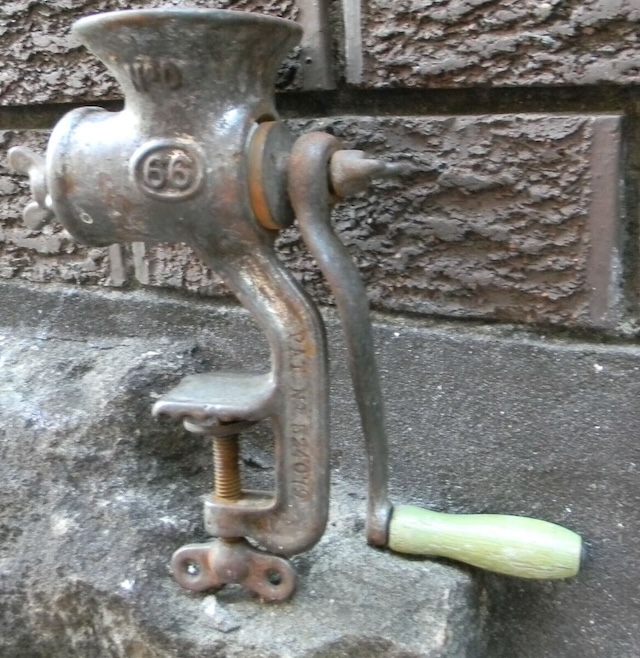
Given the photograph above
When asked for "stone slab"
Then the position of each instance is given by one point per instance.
(480, 418)
(42, 63)
(508, 422)
(95, 497)
(463, 43)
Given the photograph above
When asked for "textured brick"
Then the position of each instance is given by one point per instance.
(175, 266)
(42, 63)
(510, 217)
(452, 43)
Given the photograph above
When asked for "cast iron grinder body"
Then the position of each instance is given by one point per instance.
(197, 155)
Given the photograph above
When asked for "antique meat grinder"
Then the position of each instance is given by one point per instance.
(198, 155)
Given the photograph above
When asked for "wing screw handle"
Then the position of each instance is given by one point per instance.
(37, 213)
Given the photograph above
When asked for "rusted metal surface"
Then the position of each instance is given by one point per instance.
(351, 172)
(316, 57)
(215, 401)
(38, 212)
(172, 166)
(198, 156)
(221, 562)
(226, 469)
(268, 159)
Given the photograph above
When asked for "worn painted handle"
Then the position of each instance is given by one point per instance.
(512, 545)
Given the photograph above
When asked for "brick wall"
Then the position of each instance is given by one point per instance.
(519, 119)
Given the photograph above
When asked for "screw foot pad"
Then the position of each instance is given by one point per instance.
(212, 565)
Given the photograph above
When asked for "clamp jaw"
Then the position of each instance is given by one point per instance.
(197, 155)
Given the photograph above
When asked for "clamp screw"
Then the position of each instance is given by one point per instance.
(226, 451)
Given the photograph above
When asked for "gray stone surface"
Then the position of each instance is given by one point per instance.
(42, 63)
(454, 43)
(496, 420)
(511, 217)
(95, 496)
(481, 419)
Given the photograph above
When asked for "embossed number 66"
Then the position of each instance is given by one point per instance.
(163, 170)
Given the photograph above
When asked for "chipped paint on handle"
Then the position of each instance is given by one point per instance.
(511, 545)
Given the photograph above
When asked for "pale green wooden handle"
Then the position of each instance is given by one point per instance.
(512, 545)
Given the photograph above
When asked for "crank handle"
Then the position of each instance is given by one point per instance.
(505, 544)
(511, 545)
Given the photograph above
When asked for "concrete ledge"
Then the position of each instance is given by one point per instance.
(95, 496)
(482, 419)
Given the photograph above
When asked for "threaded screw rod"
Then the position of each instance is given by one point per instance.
(226, 470)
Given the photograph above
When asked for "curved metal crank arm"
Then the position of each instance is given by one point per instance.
(517, 546)
(309, 192)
